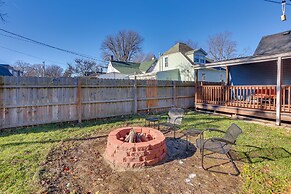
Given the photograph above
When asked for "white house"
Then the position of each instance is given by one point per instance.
(130, 70)
(178, 64)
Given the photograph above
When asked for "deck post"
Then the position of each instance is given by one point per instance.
(196, 86)
(226, 76)
(278, 90)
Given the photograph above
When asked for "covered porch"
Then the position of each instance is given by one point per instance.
(258, 86)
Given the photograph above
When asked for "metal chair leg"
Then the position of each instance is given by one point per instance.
(202, 158)
(233, 164)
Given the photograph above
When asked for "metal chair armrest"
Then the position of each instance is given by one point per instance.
(213, 129)
(209, 129)
(221, 140)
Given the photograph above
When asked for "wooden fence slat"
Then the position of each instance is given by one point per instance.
(32, 101)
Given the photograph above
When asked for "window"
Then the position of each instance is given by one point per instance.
(196, 59)
(199, 59)
(166, 62)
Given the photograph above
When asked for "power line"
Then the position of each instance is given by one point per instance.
(50, 46)
(13, 37)
(30, 55)
(271, 1)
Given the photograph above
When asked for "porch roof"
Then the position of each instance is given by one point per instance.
(247, 60)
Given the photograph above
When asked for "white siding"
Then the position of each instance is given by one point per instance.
(176, 61)
(111, 69)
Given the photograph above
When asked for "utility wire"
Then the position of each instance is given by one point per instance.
(31, 55)
(50, 46)
(13, 37)
(271, 1)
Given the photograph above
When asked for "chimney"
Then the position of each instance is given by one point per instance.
(111, 58)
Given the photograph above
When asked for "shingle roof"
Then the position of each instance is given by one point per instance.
(128, 68)
(199, 49)
(145, 66)
(4, 71)
(274, 44)
(179, 47)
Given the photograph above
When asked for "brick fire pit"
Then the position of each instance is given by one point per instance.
(134, 155)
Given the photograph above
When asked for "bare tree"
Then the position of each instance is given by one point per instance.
(82, 68)
(69, 71)
(2, 15)
(28, 69)
(53, 71)
(221, 47)
(38, 70)
(123, 46)
(142, 57)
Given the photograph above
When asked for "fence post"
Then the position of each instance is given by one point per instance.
(135, 95)
(1, 101)
(79, 99)
(174, 93)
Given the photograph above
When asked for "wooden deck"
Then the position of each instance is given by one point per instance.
(257, 101)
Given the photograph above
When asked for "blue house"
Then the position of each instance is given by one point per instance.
(257, 85)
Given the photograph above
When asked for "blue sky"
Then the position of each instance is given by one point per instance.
(82, 25)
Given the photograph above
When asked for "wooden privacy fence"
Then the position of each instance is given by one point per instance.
(254, 97)
(33, 101)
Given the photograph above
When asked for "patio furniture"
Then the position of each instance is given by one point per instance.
(174, 120)
(152, 119)
(219, 145)
(190, 133)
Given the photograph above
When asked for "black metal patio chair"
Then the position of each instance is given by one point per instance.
(174, 119)
(219, 145)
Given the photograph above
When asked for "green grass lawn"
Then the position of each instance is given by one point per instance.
(263, 150)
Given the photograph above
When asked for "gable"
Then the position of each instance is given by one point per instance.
(179, 47)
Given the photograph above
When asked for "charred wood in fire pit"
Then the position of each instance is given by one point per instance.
(131, 136)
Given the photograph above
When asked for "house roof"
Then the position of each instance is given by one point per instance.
(128, 68)
(274, 44)
(193, 51)
(269, 49)
(145, 66)
(4, 70)
(179, 47)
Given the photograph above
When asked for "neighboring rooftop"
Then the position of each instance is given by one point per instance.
(179, 47)
(4, 70)
(147, 66)
(128, 68)
(274, 44)
(196, 50)
(131, 68)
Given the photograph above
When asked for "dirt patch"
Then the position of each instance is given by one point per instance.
(78, 167)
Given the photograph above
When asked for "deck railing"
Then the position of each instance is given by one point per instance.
(254, 97)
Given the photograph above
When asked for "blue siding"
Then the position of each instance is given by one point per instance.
(258, 74)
